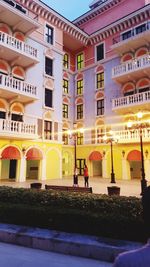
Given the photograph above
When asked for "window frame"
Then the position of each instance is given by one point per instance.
(65, 111)
(79, 111)
(79, 138)
(49, 36)
(66, 62)
(47, 131)
(50, 73)
(79, 87)
(100, 81)
(80, 63)
(96, 54)
(65, 86)
(51, 101)
(100, 109)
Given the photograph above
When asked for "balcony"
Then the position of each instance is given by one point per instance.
(16, 129)
(126, 103)
(17, 17)
(11, 88)
(132, 136)
(17, 52)
(132, 69)
(134, 38)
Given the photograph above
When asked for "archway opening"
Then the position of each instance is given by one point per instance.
(134, 159)
(10, 157)
(96, 159)
(34, 157)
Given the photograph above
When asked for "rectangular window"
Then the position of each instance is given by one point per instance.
(100, 52)
(100, 107)
(79, 87)
(65, 137)
(2, 114)
(141, 28)
(126, 35)
(80, 111)
(80, 62)
(48, 98)
(100, 80)
(48, 130)
(49, 66)
(66, 61)
(65, 86)
(65, 111)
(49, 34)
(80, 138)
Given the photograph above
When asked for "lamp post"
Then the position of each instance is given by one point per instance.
(143, 180)
(110, 139)
(73, 135)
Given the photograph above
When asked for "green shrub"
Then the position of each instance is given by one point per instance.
(114, 217)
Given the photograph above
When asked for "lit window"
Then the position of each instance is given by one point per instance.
(48, 130)
(79, 138)
(100, 52)
(80, 111)
(79, 87)
(65, 137)
(65, 111)
(80, 61)
(49, 34)
(65, 86)
(66, 61)
(100, 80)
(100, 107)
(48, 98)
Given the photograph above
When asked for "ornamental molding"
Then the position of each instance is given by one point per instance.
(51, 16)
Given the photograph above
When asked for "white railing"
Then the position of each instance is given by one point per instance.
(132, 135)
(131, 66)
(15, 44)
(131, 100)
(15, 85)
(17, 127)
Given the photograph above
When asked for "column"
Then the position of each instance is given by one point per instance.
(125, 175)
(104, 167)
(22, 171)
(43, 169)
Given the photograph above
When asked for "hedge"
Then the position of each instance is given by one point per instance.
(101, 215)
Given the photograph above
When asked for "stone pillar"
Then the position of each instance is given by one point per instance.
(22, 170)
(104, 167)
(125, 175)
(42, 174)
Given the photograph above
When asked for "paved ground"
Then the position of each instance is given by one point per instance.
(99, 185)
(16, 256)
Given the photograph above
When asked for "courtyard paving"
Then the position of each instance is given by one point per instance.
(98, 184)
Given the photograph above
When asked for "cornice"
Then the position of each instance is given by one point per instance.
(51, 16)
(96, 11)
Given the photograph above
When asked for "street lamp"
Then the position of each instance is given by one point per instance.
(110, 139)
(74, 135)
(139, 126)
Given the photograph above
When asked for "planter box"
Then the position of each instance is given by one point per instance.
(113, 190)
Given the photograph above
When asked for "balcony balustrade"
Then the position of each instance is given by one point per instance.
(15, 87)
(132, 135)
(9, 128)
(131, 68)
(131, 100)
(14, 48)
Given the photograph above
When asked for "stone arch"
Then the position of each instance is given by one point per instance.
(65, 100)
(141, 51)
(34, 156)
(134, 164)
(128, 87)
(99, 68)
(5, 28)
(79, 76)
(4, 67)
(17, 108)
(127, 57)
(99, 95)
(18, 72)
(20, 36)
(142, 83)
(79, 101)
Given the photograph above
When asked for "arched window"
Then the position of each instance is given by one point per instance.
(128, 89)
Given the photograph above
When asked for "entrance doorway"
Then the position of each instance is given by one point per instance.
(80, 166)
(33, 169)
(12, 169)
(135, 169)
(97, 168)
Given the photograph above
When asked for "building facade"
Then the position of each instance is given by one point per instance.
(92, 74)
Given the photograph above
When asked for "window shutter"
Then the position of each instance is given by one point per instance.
(40, 126)
(56, 131)
(93, 136)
